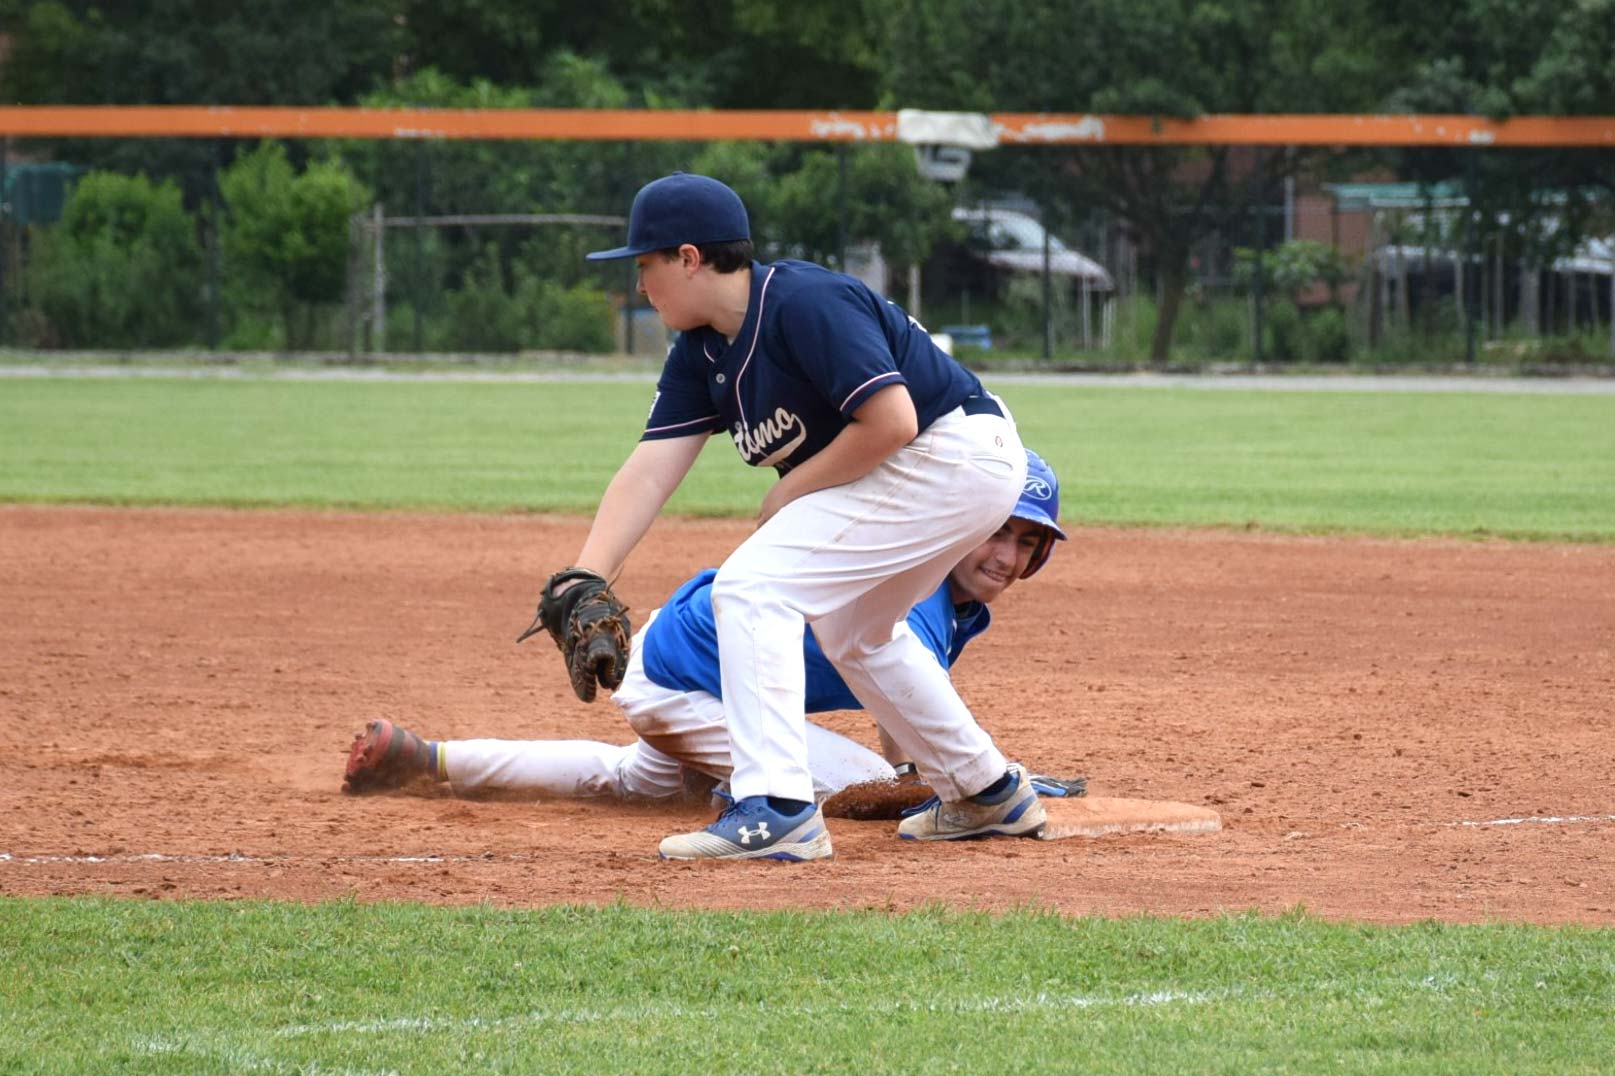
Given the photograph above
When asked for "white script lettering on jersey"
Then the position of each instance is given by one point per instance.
(762, 445)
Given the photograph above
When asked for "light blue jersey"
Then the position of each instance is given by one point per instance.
(681, 645)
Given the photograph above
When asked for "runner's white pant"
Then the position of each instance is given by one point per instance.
(677, 729)
(853, 560)
(587, 769)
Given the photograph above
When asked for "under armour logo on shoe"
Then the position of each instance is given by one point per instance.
(747, 834)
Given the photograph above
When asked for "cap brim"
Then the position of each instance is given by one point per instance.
(1041, 518)
(613, 254)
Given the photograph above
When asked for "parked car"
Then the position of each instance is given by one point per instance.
(1011, 240)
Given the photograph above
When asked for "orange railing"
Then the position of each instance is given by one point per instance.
(1014, 128)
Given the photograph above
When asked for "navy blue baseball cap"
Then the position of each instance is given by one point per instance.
(678, 209)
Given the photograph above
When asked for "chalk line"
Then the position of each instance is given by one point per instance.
(528, 857)
(268, 860)
(1040, 1002)
(1543, 820)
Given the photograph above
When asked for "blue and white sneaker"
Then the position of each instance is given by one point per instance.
(1014, 812)
(751, 829)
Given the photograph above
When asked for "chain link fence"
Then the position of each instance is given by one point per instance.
(362, 249)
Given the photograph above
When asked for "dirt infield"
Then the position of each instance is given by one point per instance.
(1392, 730)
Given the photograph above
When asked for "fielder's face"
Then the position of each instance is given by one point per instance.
(669, 285)
(989, 569)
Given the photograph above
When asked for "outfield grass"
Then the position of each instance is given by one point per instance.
(1388, 463)
(430, 445)
(1540, 467)
(101, 986)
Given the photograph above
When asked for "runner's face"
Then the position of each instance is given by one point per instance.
(993, 566)
(669, 285)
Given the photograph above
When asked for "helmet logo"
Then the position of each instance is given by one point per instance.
(1036, 487)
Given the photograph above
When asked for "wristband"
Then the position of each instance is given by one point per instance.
(903, 769)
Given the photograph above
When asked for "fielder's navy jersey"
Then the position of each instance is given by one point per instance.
(680, 648)
(814, 346)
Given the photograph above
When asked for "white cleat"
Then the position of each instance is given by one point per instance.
(751, 829)
(1017, 814)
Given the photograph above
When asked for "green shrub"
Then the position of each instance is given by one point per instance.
(286, 238)
(554, 317)
(479, 315)
(1218, 328)
(483, 315)
(1292, 267)
(1021, 311)
(1578, 350)
(1134, 328)
(122, 268)
(249, 331)
(1327, 338)
(1284, 331)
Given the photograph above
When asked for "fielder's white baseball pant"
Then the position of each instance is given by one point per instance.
(853, 560)
(677, 729)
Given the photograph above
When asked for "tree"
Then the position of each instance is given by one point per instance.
(1171, 58)
(1293, 268)
(273, 52)
(1531, 57)
(722, 54)
(510, 176)
(193, 52)
(887, 201)
(287, 239)
(122, 268)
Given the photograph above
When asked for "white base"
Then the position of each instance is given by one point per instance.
(1097, 816)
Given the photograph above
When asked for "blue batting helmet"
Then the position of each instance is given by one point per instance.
(1040, 504)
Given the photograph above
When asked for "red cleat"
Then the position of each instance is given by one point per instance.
(385, 756)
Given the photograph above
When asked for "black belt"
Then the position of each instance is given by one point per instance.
(981, 405)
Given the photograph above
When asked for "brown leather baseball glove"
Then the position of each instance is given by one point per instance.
(589, 625)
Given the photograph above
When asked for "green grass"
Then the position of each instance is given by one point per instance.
(1387, 463)
(429, 445)
(1522, 466)
(96, 986)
